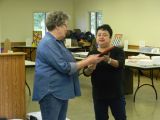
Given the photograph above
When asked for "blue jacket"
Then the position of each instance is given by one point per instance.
(55, 71)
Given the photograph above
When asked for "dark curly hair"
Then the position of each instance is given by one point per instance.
(105, 27)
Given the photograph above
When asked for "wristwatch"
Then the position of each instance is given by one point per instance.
(109, 61)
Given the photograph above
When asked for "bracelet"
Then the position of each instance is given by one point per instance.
(90, 70)
(109, 61)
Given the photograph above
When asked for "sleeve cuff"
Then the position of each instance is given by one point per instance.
(73, 68)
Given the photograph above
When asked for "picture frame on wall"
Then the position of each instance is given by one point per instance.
(37, 36)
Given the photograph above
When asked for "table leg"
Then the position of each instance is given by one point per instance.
(139, 86)
(28, 88)
(151, 71)
(139, 72)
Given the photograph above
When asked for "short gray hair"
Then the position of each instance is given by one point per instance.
(56, 18)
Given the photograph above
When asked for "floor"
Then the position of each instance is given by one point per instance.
(146, 107)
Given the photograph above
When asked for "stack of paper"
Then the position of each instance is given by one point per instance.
(156, 60)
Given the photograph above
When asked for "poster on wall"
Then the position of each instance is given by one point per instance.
(37, 36)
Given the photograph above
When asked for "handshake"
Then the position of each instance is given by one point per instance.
(94, 59)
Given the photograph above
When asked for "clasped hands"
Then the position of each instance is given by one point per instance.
(94, 59)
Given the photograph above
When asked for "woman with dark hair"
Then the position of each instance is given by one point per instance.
(107, 77)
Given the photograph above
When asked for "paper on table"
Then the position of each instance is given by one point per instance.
(37, 115)
(68, 42)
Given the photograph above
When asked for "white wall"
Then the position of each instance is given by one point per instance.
(0, 23)
(16, 20)
(135, 19)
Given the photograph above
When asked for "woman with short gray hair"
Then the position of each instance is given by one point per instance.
(56, 71)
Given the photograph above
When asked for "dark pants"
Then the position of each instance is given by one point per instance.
(117, 107)
(53, 108)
